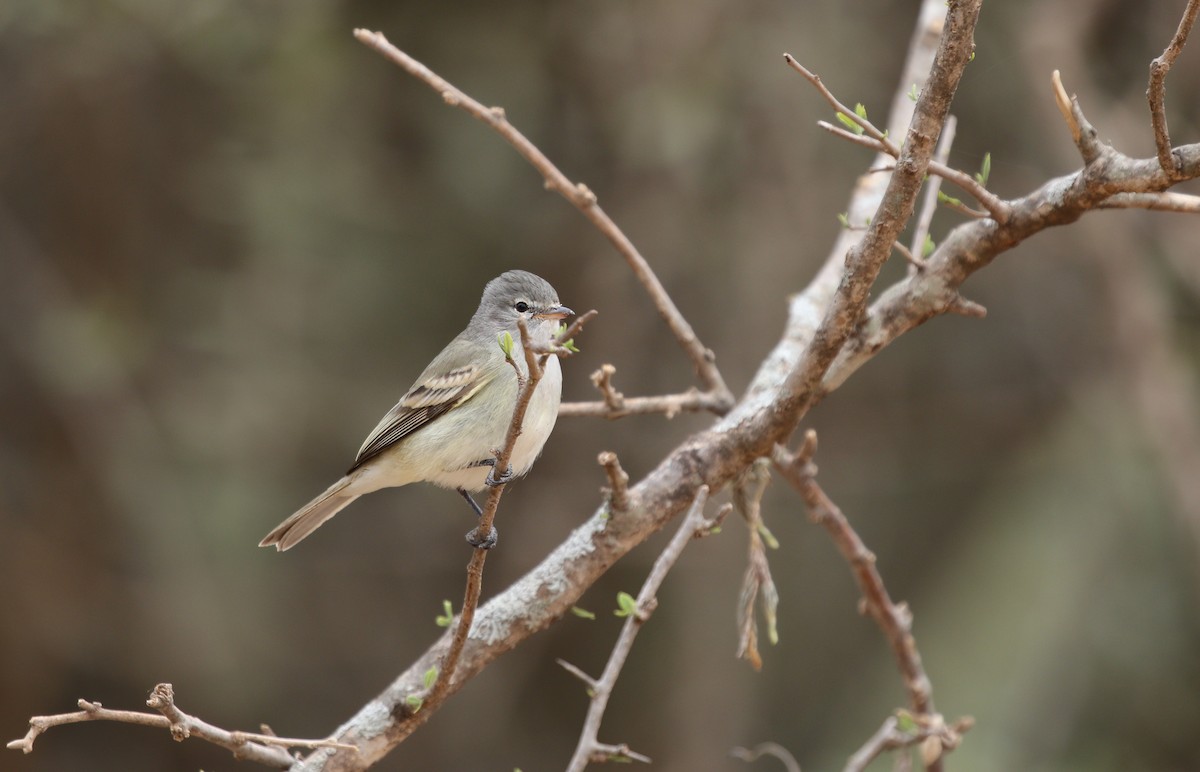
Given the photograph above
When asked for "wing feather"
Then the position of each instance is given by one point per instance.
(422, 404)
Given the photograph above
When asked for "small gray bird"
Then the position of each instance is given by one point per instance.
(444, 429)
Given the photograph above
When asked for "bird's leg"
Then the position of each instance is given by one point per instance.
(471, 501)
(474, 538)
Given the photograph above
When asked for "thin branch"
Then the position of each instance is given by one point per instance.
(1156, 91)
(999, 210)
(589, 748)
(894, 619)
(579, 195)
(933, 184)
(872, 132)
(268, 750)
(1160, 202)
(914, 263)
(670, 405)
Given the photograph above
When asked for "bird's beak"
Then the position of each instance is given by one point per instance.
(554, 312)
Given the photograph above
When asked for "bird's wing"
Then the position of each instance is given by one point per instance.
(426, 400)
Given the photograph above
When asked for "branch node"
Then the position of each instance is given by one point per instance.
(618, 481)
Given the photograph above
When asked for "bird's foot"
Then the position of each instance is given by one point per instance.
(494, 481)
(480, 541)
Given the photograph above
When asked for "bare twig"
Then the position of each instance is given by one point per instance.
(767, 749)
(882, 138)
(618, 481)
(929, 201)
(579, 195)
(589, 748)
(914, 263)
(894, 619)
(264, 749)
(1156, 91)
(1167, 201)
(670, 405)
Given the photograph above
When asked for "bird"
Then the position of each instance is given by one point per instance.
(446, 427)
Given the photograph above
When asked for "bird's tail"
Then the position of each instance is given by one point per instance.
(290, 532)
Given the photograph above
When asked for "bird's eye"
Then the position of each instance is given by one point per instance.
(521, 307)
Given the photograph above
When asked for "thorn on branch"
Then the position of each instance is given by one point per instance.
(964, 307)
(1082, 132)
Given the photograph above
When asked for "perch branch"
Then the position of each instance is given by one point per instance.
(527, 382)
(578, 194)
(589, 749)
(1156, 91)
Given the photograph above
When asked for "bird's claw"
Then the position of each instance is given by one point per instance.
(478, 541)
(494, 481)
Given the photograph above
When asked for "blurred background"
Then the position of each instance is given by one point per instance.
(231, 236)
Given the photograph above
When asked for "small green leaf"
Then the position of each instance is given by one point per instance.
(506, 343)
(430, 676)
(414, 702)
(905, 721)
(626, 605)
(912, 92)
(582, 613)
(985, 170)
(447, 616)
(944, 199)
(844, 219)
(715, 529)
(972, 57)
(849, 123)
(928, 247)
(860, 110)
(569, 345)
(560, 329)
(591, 693)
